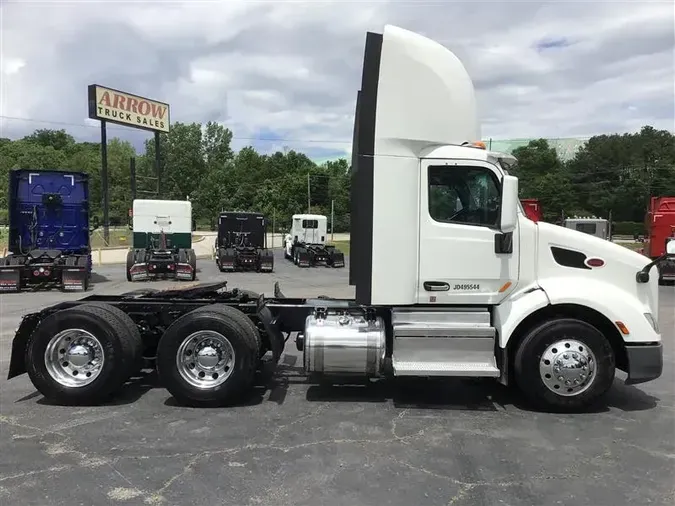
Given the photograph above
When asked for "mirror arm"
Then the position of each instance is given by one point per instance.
(643, 275)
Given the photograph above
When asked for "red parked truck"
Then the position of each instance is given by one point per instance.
(532, 209)
(660, 225)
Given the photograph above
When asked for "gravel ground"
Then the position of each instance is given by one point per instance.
(458, 442)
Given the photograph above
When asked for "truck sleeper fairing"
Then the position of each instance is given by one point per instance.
(49, 231)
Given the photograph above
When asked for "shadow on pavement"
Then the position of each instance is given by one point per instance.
(451, 394)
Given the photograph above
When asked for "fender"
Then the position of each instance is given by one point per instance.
(512, 311)
(615, 304)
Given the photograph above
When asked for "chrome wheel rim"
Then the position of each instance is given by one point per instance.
(567, 367)
(74, 358)
(205, 359)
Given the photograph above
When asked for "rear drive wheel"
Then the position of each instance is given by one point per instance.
(83, 354)
(192, 259)
(564, 364)
(208, 356)
(84, 263)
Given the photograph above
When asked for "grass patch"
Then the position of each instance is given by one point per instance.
(635, 246)
(118, 238)
(342, 246)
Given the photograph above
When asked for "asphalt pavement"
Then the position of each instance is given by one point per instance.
(440, 442)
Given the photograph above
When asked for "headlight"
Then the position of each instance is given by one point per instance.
(652, 321)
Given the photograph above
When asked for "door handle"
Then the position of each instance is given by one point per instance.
(436, 286)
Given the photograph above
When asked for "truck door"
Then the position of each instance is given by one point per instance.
(459, 260)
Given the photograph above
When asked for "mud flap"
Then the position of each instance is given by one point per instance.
(303, 258)
(667, 271)
(337, 259)
(139, 272)
(74, 279)
(273, 332)
(184, 271)
(10, 279)
(266, 261)
(226, 259)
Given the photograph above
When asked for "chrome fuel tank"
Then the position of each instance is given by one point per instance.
(344, 344)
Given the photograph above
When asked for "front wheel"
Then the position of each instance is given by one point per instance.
(564, 364)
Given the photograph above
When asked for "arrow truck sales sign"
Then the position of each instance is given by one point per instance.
(125, 109)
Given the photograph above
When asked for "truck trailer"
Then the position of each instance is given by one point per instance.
(161, 241)
(49, 234)
(660, 225)
(241, 244)
(442, 288)
(306, 244)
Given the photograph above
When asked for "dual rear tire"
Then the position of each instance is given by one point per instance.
(208, 357)
(83, 355)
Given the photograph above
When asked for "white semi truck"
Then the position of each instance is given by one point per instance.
(161, 241)
(451, 277)
(306, 245)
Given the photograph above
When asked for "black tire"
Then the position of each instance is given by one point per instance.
(192, 259)
(82, 261)
(120, 351)
(133, 335)
(130, 262)
(239, 331)
(538, 339)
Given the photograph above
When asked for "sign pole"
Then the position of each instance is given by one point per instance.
(132, 173)
(104, 183)
(158, 169)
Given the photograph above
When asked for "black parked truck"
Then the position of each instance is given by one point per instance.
(241, 244)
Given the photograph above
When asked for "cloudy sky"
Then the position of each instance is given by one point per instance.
(285, 73)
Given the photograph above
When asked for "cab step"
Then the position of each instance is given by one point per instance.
(442, 342)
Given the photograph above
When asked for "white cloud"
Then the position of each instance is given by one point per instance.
(293, 68)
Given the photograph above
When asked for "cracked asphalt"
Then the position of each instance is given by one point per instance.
(459, 442)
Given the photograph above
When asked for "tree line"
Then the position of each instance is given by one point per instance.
(615, 173)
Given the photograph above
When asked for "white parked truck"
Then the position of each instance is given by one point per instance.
(451, 277)
(599, 227)
(162, 241)
(306, 244)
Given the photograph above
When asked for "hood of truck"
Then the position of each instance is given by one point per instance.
(565, 253)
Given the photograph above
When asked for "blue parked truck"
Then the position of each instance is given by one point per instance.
(49, 231)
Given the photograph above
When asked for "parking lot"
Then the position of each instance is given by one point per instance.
(450, 442)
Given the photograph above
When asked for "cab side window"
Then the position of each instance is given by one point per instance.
(464, 195)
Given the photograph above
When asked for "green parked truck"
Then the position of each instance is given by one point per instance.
(162, 241)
